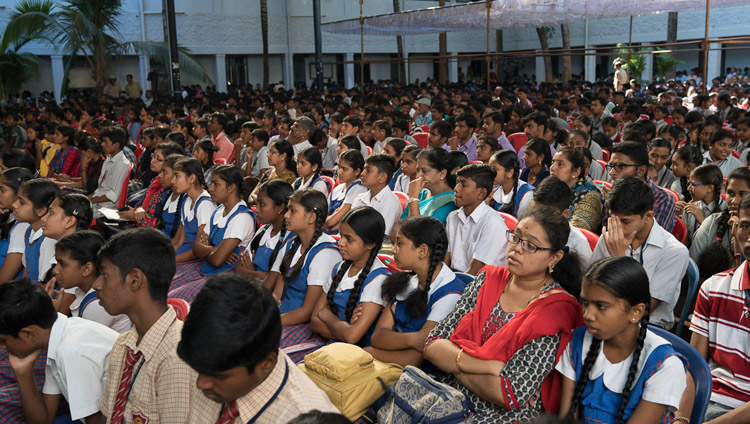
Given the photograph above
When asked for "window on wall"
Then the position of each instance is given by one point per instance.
(236, 70)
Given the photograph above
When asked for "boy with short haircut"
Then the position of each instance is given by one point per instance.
(245, 378)
(146, 381)
(77, 352)
(556, 194)
(632, 230)
(379, 169)
(720, 152)
(256, 154)
(475, 230)
(440, 132)
(401, 130)
(115, 170)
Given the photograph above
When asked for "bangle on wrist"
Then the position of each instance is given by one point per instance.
(458, 361)
(681, 419)
(413, 199)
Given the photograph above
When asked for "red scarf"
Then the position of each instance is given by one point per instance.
(555, 312)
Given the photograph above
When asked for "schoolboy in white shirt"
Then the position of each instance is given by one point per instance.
(378, 171)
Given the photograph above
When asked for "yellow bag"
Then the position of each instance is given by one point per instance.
(351, 377)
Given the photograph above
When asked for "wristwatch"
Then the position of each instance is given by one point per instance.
(413, 199)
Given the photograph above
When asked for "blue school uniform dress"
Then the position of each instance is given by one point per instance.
(659, 366)
(336, 198)
(266, 246)
(170, 213)
(521, 191)
(444, 292)
(392, 183)
(190, 219)
(315, 182)
(370, 292)
(296, 289)
(38, 254)
(15, 243)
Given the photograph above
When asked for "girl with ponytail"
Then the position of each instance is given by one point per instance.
(32, 203)
(418, 298)
(303, 266)
(614, 369)
(12, 231)
(684, 160)
(204, 152)
(309, 164)
(256, 262)
(511, 195)
(355, 283)
(501, 341)
(196, 209)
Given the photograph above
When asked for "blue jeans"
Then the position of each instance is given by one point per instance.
(715, 410)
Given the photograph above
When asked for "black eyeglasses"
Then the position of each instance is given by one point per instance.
(526, 245)
(618, 166)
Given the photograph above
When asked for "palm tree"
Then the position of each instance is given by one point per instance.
(567, 71)
(86, 28)
(264, 36)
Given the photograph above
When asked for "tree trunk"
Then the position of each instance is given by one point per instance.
(264, 35)
(400, 43)
(545, 49)
(566, 66)
(499, 68)
(671, 38)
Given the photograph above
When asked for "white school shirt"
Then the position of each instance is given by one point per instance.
(370, 293)
(384, 202)
(204, 210)
(330, 158)
(340, 191)
(113, 175)
(665, 387)
(442, 307)
(726, 165)
(480, 236)
(596, 171)
(94, 311)
(16, 243)
(321, 265)
(77, 360)
(665, 260)
(378, 147)
(692, 224)
(300, 147)
(171, 205)
(46, 252)
(402, 183)
(319, 185)
(579, 244)
(501, 197)
(242, 227)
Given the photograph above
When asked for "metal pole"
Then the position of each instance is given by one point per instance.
(318, 45)
(705, 48)
(361, 47)
(487, 57)
(630, 45)
(174, 58)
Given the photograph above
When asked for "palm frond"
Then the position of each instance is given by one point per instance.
(159, 53)
(30, 20)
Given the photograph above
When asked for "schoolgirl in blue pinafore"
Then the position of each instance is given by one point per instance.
(314, 182)
(190, 220)
(170, 213)
(295, 290)
(600, 403)
(38, 255)
(15, 242)
(403, 322)
(520, 192)
(266, 246)
(336, 198)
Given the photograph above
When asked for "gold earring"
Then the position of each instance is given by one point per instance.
(551, 269)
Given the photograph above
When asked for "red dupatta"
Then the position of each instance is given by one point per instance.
(555, 312)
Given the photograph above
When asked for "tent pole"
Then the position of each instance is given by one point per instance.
(487, 57)
(630, 43)
(361, 47)
(705, 48)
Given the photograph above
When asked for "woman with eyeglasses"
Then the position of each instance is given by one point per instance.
(569, 165)
(502, 339)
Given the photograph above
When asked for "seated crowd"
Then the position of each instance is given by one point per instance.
(177, 261)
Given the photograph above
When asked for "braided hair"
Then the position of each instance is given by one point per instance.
(41, 193)
(278, 191)
(208, 147)
(626, 279)
(710, 174)
(191, 166)
(369, 225)
(12, 178)
(232, 176)
(311, 155)
(311, 201)
(508, 159)
(419, 230)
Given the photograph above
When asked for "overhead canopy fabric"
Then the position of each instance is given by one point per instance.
(507, 14)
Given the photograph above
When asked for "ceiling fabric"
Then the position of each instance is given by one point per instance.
(508, 14)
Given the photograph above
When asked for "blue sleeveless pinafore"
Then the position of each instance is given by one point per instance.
(295, 290)
(191, 227)
(215, 237)
(403, 322)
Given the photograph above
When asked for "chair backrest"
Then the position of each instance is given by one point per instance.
(181, 307)
(510, 220)
(422, 139)
(603, 183)
(605, 155)
(680, 230)
(476, 162)
(591, 237)
(673, 193)
(668, 120)
(220, 161)
(425, 128)
(329, 182)
(735, 154)
(698, 369)
(518, 139)
(123, 199)
(403, 198)
(389, 263)
(369, 150)
(139, 152)
(602, 162)
(645, 117)
(336, 237)
(693, 279)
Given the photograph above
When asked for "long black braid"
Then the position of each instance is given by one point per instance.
(633, 365)
(684, 187)
(512, 204)
(588, 363)
(416, 303)
(508, 159)
(312, 201)
(177, 215)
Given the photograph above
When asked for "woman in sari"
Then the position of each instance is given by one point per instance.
(502, 340)
(432, 190)
(569, 165)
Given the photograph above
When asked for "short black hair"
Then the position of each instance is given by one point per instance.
(146, 249)
(384, 163)
(470, 120)
(240, 312)
(22, 304)
(116, 134)
(720, 134)
(221, 119)
(637, 152)
(482, 175)
(553, 192)
(630, 196)
(443, 128)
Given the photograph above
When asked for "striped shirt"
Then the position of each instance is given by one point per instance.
(722, 315)
(663, 207)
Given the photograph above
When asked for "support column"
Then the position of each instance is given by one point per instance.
(541, 75)
(453, 69)
(288, 66)
(143, 69)
(648, 70)
(589, 66)
(714, 63)
(221, 73)
(58, 75)
(349, 70)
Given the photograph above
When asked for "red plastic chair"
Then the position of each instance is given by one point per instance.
(389, 263)
(591, 237)
(329, 182)
(680, 230)
(605, 155)
(123, 200)
(510, 220)
(369, 150)
(139, 152)
(422, 139)
(602, 163)
(476, 162)
(518, 139)
(220, 161)
(645, 117)
(336, 237)
(425, 128)
(603, 183)
(403, 198)
(735, 154)
(181, 307)
(673, 193)
(668, 120)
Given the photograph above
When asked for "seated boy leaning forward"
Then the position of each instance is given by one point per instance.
(146, 382)
(246, 378)
(77, 351)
